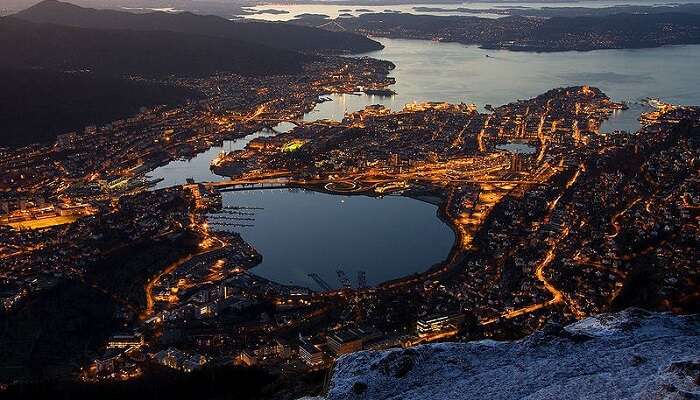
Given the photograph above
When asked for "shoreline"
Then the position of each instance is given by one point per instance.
(451, 259)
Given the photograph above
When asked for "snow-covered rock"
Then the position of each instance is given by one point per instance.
(633, 354)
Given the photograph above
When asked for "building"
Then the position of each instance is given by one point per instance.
(171, 357)
(72, 209)
(66, 141)
(268, 350)
(205, 310)
(311, 354)
(345, 341)
(125, 341)
(177, 359)
(194, 362)
(247, 358)
(107, 364)
(438, 323)
(394, 160)
(351, 339)
(516, 164)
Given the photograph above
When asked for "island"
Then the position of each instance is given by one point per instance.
(545, 32)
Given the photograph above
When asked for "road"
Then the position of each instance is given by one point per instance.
(614, 220)
(210, 243)
(550, 255)
(557, 295)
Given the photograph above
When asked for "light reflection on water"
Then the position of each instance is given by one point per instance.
(518, 148)
(430, 71)
(176, 172)
(300, 232)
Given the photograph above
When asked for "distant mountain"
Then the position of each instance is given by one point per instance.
(26, 44)
(60, 78)
(279, 35)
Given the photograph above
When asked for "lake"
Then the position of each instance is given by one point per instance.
(299, 232)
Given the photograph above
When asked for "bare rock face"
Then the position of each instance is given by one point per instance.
(633, 354)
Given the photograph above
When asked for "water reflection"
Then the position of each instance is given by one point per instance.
(518, 148)
(177, 172)
(299, 232)
(430, 71)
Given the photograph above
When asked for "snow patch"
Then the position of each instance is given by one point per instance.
(633, 354)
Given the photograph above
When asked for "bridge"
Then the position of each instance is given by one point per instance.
(297, 122)
(275, 121)
(257, 116)
(281, 180)
(332, 24)
(251, 186)
(278, 180)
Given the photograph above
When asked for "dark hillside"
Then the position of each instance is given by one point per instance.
(122, 52)
(37, 105)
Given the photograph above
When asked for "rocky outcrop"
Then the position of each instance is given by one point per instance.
(633, 354)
